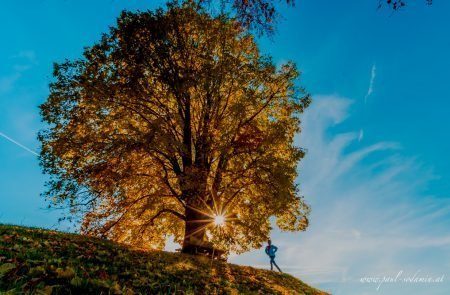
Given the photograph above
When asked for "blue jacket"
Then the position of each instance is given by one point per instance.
(270, 250)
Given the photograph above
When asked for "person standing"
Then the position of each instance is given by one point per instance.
(270, 251)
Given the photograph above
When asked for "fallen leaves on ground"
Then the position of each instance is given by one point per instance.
(47, 262)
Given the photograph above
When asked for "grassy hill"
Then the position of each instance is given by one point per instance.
(47, 262)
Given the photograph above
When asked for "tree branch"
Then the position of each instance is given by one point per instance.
(173, 212)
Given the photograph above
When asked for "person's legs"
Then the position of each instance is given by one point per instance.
(272, 260)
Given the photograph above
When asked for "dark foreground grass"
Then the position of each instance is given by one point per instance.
(40, 261)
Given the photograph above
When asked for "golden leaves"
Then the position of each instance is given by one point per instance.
(173, 109)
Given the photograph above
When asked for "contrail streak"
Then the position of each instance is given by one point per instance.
(18, 144)
(373, 74)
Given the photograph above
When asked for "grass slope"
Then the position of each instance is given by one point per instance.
(47, 262)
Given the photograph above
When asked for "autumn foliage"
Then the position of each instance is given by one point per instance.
(172, 119)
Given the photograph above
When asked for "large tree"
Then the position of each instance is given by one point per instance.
(175, 124)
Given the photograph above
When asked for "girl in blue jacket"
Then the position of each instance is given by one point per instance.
(271, 250)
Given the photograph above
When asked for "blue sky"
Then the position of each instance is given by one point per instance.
(376, 173)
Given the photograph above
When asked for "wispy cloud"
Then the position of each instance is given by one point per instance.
(369, 213)
(18, 144)
(20, 116)
(373, 74)
(28, 55)
(361, 135)
(23, 61)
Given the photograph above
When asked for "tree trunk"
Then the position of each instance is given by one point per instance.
(195, 228)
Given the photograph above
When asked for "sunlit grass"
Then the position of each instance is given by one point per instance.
(40, 261)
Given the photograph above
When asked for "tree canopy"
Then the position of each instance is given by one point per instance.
(172, 120)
